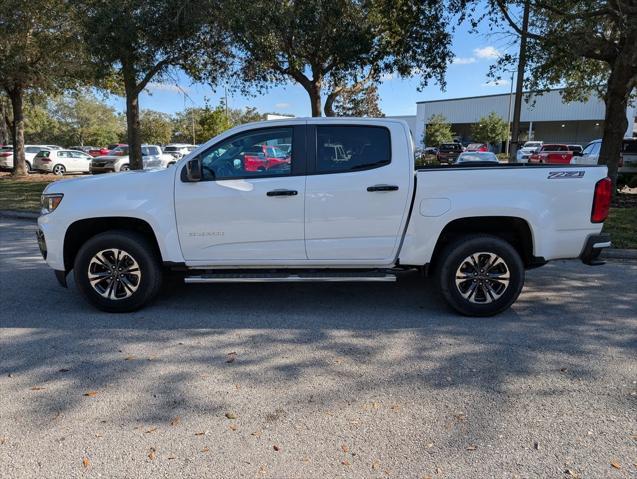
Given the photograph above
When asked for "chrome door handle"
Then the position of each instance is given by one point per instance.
(382, 188)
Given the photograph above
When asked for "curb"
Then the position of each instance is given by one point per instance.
(18, 214)
(613, 253)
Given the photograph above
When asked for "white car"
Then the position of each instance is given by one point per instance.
(60, 162)
(530, 147)
(178, 150)
(627, 164)
(470, 157)
(319, 216)
(6, 155)
(118, 160)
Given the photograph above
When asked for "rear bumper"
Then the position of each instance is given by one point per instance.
(101, 169)
(593, 247)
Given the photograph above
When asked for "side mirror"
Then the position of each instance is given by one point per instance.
(193, 170)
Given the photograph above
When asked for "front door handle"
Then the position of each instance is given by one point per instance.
(382, 188)
(282, 193)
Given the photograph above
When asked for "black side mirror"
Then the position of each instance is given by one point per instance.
(193, 172)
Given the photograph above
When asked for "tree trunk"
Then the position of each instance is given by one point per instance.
(132, 119)
(314, 91)
(4, 125)
(19, 161)
(619, 86)
(517, 109)
(329, 103)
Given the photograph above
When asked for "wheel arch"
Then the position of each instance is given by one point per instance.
(514, 230)
(82, 230)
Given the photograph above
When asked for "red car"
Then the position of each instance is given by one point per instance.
(477, 147)
(552, 153)
(264, 157)
(98, 152)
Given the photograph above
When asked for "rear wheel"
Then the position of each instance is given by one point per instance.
(125, 167)
(480, 275)
(59, 170)
(117, 271)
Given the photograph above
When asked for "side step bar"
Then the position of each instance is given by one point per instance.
(291, 278)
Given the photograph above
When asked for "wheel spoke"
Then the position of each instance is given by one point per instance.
(488, 274)
(107, 280)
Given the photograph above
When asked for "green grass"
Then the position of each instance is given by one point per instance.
(21, 194)
(25, 195)
(622, 226)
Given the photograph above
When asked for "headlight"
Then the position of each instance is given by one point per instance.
(49, 202)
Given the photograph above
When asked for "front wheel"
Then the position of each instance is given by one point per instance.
(480, 275)
(125, 167)
(117, 271)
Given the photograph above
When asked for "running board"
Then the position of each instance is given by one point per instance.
(291, 278)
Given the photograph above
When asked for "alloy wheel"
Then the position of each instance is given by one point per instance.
(114, 274)
(482, 277)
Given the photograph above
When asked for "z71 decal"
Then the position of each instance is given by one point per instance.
(554, 175)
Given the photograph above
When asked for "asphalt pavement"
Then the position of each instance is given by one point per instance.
(317, 380)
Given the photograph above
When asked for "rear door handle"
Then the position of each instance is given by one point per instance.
(282, 193)
(382, 188)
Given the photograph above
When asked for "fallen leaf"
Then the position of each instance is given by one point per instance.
(306, 460)
(375, 464)
(151, 454)
(438, 470)
(151, 430)
(344, 447)
(427, 477)
(63, 370)
(98, 435)
(130, 357)
(472, 447)
(232, 427)
(263, 470)
(395, 407)
(171, 458)
(616, 465)
(536, 446)
(199, 433)
(2, 440)
(57, 415)
(37, 388)
(237, 386)
(231, 415)
(563, 370)
(570, 472)
(91, 394)
(345, 462)
(176, 420)
(276, 448)
(205, 449)
(230, 357)
(256, 434)
(85, 462)
(429, 445)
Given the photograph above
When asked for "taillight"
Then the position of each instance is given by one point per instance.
(44, 159)
(5, 155)
(601, 200)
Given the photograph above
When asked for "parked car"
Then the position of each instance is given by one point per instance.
(448, 152)
(264, 157)
(85, 149)
(60, 162)
(530, 147)
(474, 157)
(576, 149)
(118, 160)
(477, 147)
(6, 156)
(120, 147)
(178, 150)
(552, 154)
(627, 160)
(324, 217)
(96, 151)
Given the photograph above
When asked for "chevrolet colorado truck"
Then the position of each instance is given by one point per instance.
(348, 206)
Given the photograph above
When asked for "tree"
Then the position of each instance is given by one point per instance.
(155, 127)
(39, 51)
(359, 102)
(138, 40)
(587, 46)
(437, 131)
(328, 46)
(490, 129)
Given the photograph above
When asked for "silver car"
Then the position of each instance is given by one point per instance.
(118, 160)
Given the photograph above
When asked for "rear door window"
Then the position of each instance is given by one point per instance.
(350, 148)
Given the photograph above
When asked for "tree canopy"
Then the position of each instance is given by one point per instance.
(437, 131)
(359, 102)
(490, 129)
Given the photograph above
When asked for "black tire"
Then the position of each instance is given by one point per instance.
(124, 167)
(488, 298)
(58, 169)
(139, 250)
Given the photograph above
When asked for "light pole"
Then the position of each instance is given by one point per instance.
(509, 115)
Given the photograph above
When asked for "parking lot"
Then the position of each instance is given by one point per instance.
(317, 380)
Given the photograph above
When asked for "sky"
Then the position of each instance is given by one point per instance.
(466, 76)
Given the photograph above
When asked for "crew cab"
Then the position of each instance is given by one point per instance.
(448, 152)
(553, 154)
(349, 206)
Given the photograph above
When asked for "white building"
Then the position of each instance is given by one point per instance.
(544, 117)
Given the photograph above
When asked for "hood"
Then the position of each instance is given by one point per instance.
(116, 182)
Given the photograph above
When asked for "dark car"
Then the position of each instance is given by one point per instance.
(448, 152)
(576, 149)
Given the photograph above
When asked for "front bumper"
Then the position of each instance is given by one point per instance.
(101, 169)
(593, 247)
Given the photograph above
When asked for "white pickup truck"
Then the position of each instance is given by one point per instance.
(321, 200)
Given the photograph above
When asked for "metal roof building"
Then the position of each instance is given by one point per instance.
(544, 117)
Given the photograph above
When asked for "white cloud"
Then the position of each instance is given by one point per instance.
(463, 60)
(501, 82)
(487, 52)
(282, 106)
(155, 86)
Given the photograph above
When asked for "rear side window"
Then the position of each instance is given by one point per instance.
(349, 148)
(43, 153)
